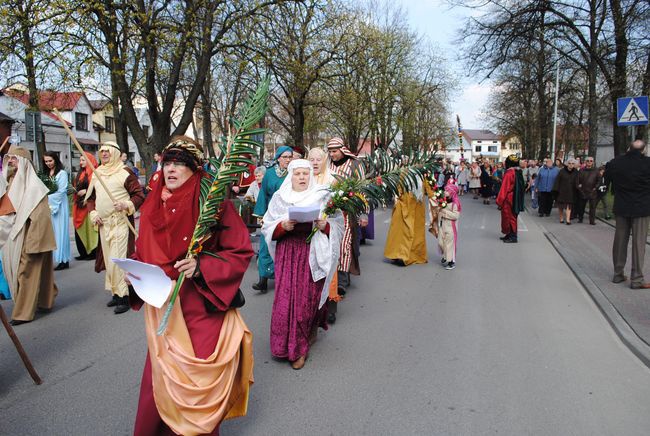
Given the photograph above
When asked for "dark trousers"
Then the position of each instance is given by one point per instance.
(545, 202)
(638, 227)
(582, 206)
(82, 249)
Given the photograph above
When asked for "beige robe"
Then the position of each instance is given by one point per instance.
(114, 232)
(28, 264)
(446, 240)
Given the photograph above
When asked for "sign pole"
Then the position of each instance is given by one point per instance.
(557, 89)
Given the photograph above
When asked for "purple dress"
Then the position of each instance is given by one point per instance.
(295, 306)
(368, 232)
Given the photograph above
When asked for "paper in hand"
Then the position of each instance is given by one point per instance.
(151, 284)
(304, 214)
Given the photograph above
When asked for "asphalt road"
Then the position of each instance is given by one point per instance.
(507, 343)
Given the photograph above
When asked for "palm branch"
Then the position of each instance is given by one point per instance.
(236, 151)
(396, 173)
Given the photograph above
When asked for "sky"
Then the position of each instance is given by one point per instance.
(436, 20)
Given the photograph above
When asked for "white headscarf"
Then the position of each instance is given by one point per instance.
(323, 250)
(25, 190)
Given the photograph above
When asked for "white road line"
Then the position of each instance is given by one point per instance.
(522, 225)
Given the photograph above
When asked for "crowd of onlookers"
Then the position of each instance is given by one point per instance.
(571, 185)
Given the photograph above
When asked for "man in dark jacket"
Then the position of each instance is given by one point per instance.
(587, 185)
(629, 175)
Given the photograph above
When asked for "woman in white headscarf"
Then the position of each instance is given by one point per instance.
(303, 270)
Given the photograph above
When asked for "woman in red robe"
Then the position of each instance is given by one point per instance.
(195, 375)
(511, 199)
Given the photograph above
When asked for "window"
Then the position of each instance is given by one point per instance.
(478, 149)
(81, 121)
(110, 124)
(479, 142)
(492, 149)
(145, 130)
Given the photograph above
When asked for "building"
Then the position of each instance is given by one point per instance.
(510, 145)
(482, 144)
(6, 123)
(75, 109)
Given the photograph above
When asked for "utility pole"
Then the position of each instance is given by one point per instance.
(557, 89)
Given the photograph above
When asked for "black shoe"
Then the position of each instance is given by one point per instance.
(16, 322)
(579, 220)
(341, 291)
(122, 305)
(62, 265)
(510, 240)
(398, 262)
(43, 310)
(450, 265)
(568, 223)
(547, 214)
(114, 301)
(443, 261)
(262, 285)
(80, 258)
(503, 238)
(540, 215)
(331, 318)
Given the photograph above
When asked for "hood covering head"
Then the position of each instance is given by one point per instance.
(25, 190)
(337, 143)
(303, 198)
(512, 161)
(114, 163)
(280, 150)
(452, 191)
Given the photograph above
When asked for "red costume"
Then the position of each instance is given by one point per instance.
(511, 199)
(504, 201)
(166, 226)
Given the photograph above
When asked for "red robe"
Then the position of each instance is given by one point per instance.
(165, 232)
(504, 201)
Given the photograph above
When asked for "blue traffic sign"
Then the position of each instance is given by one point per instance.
(632, 111)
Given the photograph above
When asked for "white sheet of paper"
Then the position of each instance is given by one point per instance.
(304, 214)
(152, 284)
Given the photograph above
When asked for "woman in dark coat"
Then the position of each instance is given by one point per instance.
(486, 182)
(565, 190)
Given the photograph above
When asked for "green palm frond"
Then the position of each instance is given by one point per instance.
(236, 151)
(399, 171)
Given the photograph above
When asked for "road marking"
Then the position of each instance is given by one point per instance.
(522, 225)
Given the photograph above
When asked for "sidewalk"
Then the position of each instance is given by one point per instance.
(587, 250)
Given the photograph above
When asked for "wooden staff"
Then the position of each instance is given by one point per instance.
(2, 147)
(19, 347)
(81, 151)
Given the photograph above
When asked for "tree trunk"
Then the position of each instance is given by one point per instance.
(298, 123)
(206, 115)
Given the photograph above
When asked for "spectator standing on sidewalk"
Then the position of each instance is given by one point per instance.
(565, 187)
(544, 187)
(601, 191)
(629, 175)
(587, 191)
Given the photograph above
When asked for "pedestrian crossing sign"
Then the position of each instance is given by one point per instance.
(632, 111)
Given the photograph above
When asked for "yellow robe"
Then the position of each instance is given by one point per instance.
(406, 240)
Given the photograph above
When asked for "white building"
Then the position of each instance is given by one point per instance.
(75, 110)
(481, 143)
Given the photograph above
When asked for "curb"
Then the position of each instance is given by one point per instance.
(623, 330)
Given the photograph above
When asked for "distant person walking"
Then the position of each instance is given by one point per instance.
(587, 190)
(544, 187)
(629, 175)
(565, 187)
